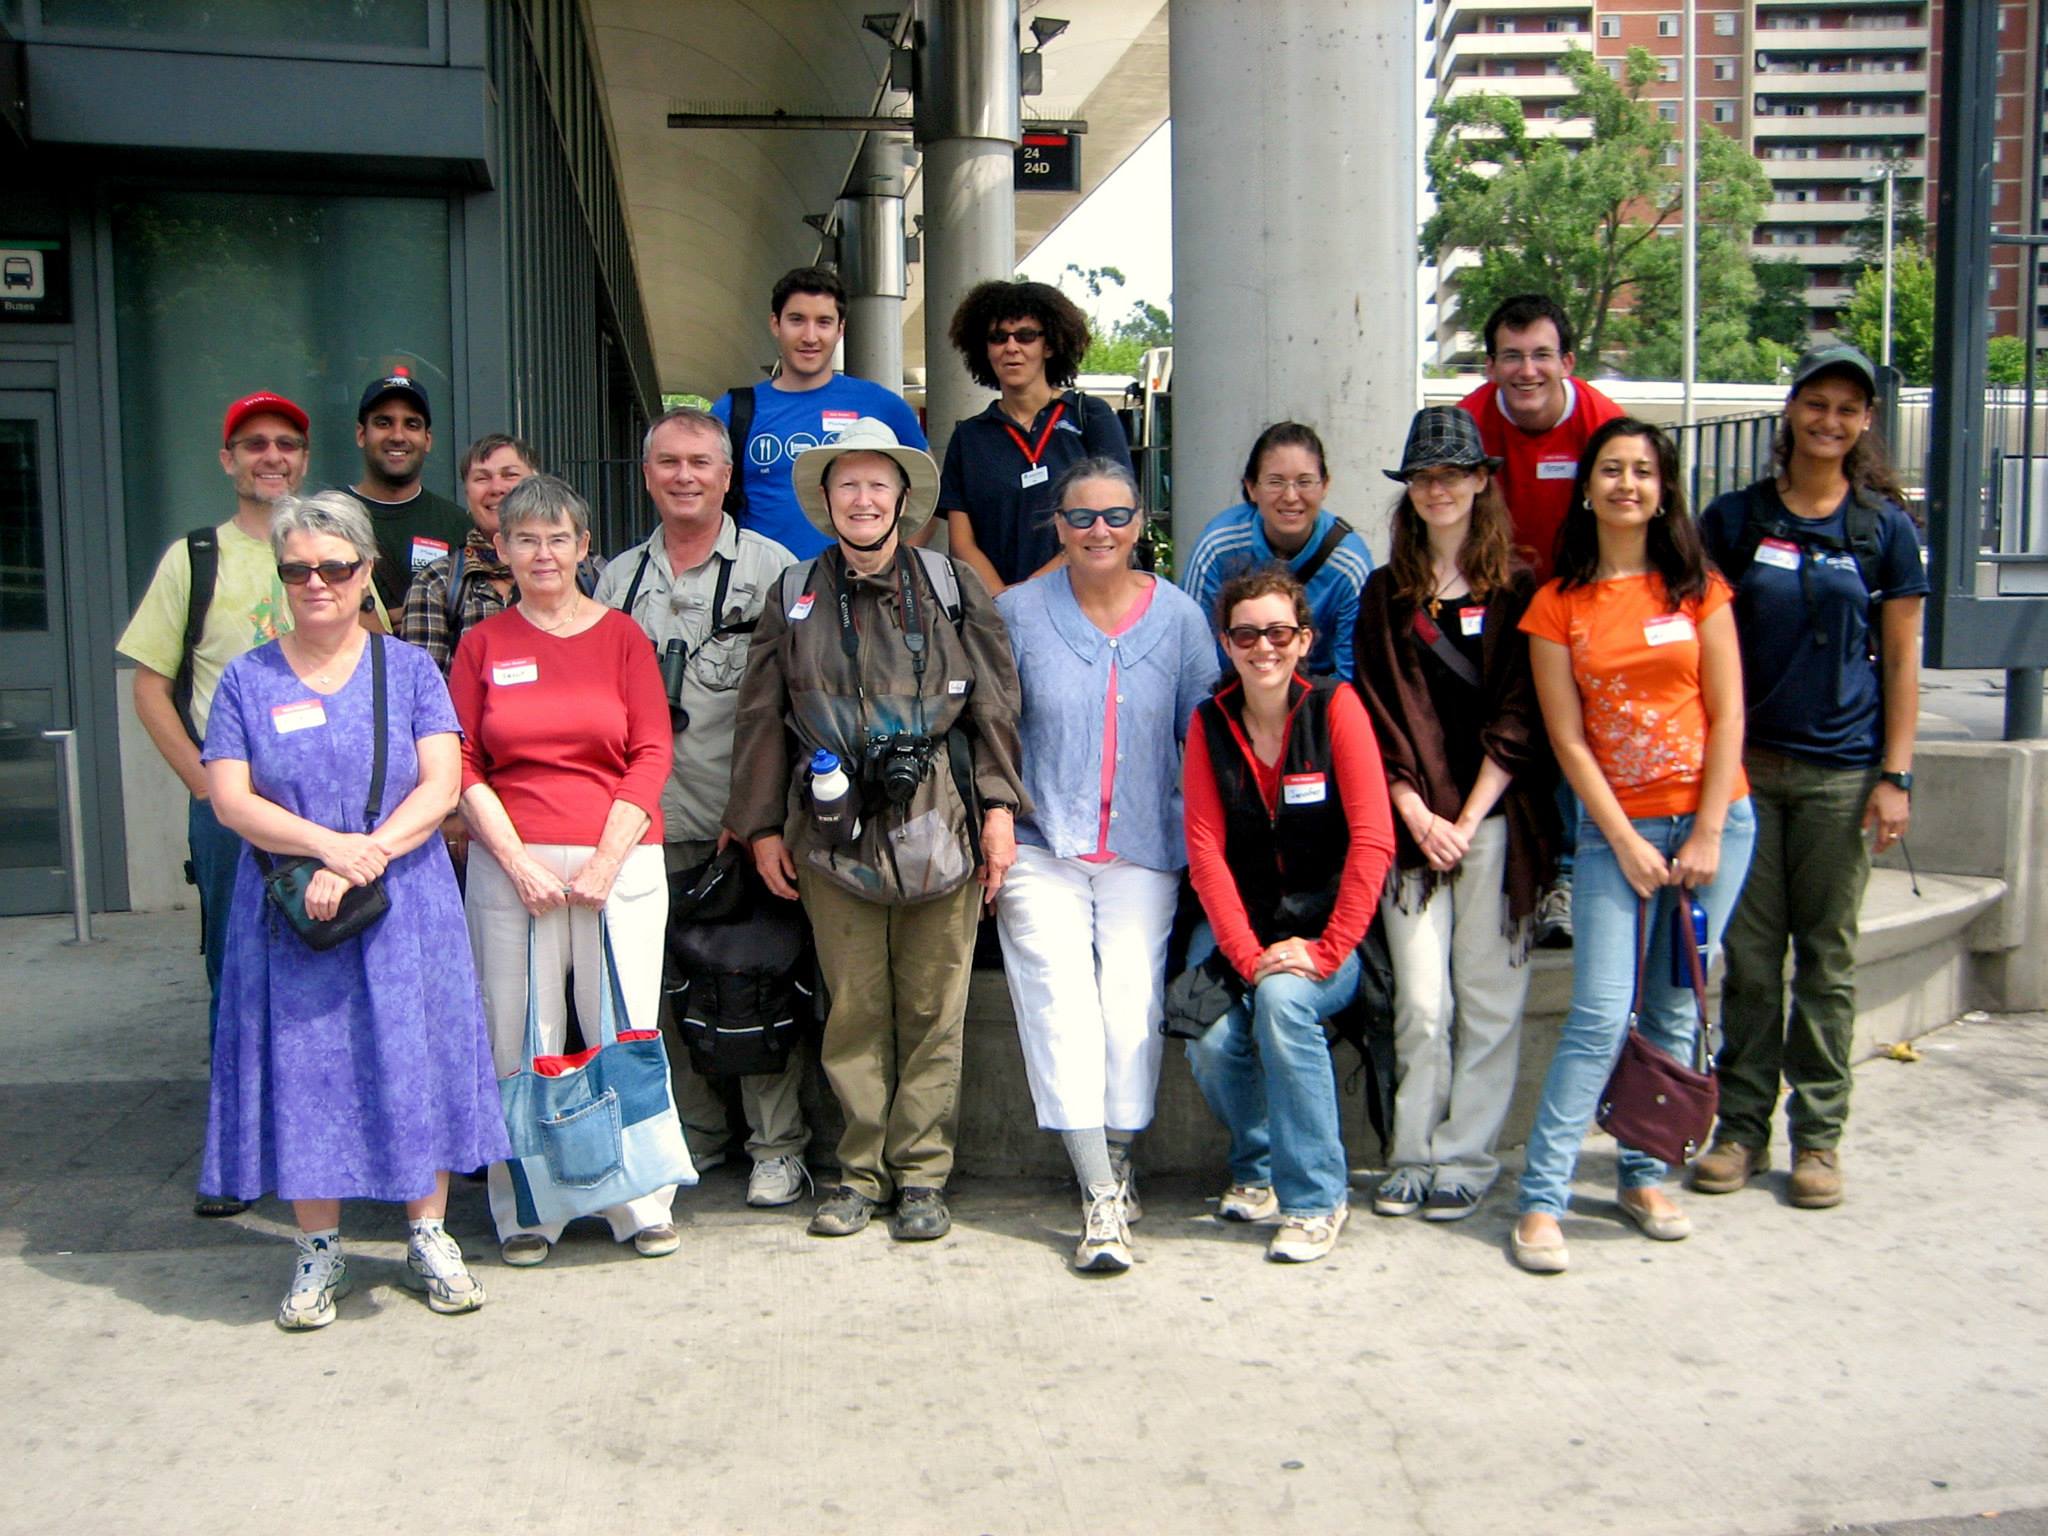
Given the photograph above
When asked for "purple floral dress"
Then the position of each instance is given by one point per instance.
(363, 1071)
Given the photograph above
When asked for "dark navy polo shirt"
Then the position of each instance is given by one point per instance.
(985, 469)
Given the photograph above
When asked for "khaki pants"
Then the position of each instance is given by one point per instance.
(898, 977)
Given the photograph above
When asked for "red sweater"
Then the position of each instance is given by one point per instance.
(561, 726)
(1362, 783)
(1537, 478)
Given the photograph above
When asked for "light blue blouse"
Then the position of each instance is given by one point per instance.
(1165, 666)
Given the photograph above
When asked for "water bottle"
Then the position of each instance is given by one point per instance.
(832, 799)
(1688, 926)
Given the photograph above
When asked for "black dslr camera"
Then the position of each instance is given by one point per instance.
(675, 659)
(897, 763)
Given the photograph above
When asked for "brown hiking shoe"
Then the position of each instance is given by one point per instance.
(1816, 1181)
(1728, 1165)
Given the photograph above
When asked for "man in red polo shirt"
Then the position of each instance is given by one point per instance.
(1535, 416)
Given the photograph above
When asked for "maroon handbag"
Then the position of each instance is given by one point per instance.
(1652, 1103)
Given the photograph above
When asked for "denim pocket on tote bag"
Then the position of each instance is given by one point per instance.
(583, 1145)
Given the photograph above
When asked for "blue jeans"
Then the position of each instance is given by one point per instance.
(215, 853)
(1265, 1069)
(1603, 982)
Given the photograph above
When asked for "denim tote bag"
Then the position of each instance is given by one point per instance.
(595, 1129)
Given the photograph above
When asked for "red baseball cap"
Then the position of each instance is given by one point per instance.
(263, 403)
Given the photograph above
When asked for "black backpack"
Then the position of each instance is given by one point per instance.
(202, 549)
(739, 987)
(1760, 522)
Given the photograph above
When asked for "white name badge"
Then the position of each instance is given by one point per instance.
(1672, 627)
(522, 669)
(801, 608)
(302, 716)
(1037, 474)
(426, 551)
(956, 685)
(1471, 621)
(1304, 789)
(835, 422)
(1782, 553)
(1557, 469)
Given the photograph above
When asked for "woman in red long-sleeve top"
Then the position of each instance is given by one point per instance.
(566, 743)
(1289, 839)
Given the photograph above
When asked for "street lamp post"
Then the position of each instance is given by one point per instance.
(1886, 173)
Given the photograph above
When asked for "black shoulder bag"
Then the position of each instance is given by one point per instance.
(285, 880)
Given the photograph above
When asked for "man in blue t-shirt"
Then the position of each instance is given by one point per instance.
(805, 404)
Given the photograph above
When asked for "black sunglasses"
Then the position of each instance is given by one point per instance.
(296, 573)
(1023, 335)
(1084, 517)
(1245, 636)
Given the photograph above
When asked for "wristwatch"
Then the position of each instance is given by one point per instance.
(1898, 780)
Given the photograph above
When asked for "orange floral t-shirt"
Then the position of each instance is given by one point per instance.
(1637, 664)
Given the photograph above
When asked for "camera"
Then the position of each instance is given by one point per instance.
(897, 763)
(675, 657)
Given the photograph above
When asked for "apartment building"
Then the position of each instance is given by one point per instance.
(1823, 92)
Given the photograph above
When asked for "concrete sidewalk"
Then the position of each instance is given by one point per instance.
(1782, 1372)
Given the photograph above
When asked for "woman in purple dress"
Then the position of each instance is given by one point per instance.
(362, 1071)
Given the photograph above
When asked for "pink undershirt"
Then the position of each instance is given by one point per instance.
(1132, 614)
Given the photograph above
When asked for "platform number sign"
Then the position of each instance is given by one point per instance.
(1049, 162)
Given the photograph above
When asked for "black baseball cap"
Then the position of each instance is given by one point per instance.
(1839, 358)
(395, 384)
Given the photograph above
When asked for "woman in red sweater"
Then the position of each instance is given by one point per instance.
(1289, 839)
(565, 746)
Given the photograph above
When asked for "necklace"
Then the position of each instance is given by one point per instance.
(570, 613)
(1443, 586)
(325, 676)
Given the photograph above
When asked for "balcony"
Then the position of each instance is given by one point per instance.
(1844, 125)
(1839, 168)
(1840, 82)
(1467, 48)
(1818, 213)
(1521, 87)
(1831, 255)
(1769, 40)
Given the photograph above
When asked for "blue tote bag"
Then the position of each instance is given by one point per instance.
(595, 1129)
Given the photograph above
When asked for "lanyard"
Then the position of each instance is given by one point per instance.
(1033, 454)
(913, 632)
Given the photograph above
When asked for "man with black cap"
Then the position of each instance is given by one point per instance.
(394, 429)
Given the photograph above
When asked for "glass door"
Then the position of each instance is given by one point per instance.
(35, 682)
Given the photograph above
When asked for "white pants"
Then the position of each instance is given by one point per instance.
(1457, 1015)
(1084, 947)
(565, 943)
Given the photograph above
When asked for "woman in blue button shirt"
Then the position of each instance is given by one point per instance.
(1113, 662)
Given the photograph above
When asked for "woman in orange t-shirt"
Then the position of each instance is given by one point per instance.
(1634, 654)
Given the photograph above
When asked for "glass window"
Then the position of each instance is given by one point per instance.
(220, 294)
(24, 573)
(1610, 26)
(1724, 24)
(1667, 26)
(359, 23)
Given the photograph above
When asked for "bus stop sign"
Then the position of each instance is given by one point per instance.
(1048, 162)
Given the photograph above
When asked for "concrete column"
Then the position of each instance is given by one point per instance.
(871, 259)
(968, 125)
(1294, 257)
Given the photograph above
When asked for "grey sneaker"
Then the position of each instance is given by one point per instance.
(1248, 1202)
(1451, 1202)
(318, 1282)
(523, 1250)
(1304, 1239)
(433, 1264)
(778, 1181)
(842, 1213)
(921, 1215)
(1401, 1192)
(1554, 915)
(1105, 1247)
(1127, 1181)
(657, 1241)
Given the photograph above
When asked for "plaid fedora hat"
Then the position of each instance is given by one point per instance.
(1442, 436)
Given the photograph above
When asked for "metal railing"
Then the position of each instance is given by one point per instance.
(1724, 454)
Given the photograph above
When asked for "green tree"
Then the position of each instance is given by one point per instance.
(1912, 314)
(2005, 363)
(1583, 225)
(1122, 346)
(1780, 313)
(1909, 225)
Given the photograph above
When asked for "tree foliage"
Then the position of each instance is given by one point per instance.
(1780, 313)
(1586, 225)
(1122, 346)
(1912, 314)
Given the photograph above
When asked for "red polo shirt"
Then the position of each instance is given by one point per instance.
(1537, 476)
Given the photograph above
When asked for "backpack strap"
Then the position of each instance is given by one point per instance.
(1439, 646)
(740, 428)
(633, 588)
(944, 580)
(202, 550)
(1306, 573)
(587, 575)
(451, 600)
(1757, 521)
(1860, 522)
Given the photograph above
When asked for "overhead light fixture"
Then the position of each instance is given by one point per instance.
(1046, 28)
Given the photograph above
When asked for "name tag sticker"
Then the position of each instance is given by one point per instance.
(1557, 469)
(801, 608)
(1304, 789)
(426, 551)
(1471, 621)
(835, 422)
(1670, 628)
(1037, 474)
(1782, 553)
(956, 685)
(521, 669)
(302, 716)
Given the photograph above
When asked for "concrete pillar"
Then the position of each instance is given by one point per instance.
(969, 126)
(871, 259)
(1294, 257)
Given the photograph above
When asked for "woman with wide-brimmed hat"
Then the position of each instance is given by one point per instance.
(893, 818)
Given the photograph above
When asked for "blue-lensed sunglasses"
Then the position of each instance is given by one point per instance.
(1084, 517)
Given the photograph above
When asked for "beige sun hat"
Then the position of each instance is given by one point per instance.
(866, 435)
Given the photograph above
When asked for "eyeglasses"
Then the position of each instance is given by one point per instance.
(1023, 335)
(1304, 485)
(296, 573)
(1084, 517)
(1542, 357)
(1279, 636)
(265, 444)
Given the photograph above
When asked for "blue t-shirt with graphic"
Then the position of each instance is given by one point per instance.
(785, 424)
(1805, 625)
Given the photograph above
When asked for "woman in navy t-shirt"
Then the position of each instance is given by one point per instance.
(1828, 591)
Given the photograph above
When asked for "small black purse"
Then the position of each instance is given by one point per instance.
(285, 879)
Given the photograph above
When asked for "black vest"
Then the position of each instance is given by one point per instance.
(1287, 865)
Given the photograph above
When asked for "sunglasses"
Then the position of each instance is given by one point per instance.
(1279, 636)
(1084, 517)
(296, 573)
(261, 444)
(1023, 335)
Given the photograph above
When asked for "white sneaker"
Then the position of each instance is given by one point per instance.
(1248, 1202)
(1105, 1247)
(1554, 915)
(433, 1264)
(1304, 1239)
(1127, 1181)
(320, 1280)
(778, 1180)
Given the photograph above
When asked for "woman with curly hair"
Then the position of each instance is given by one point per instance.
(996, 492)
